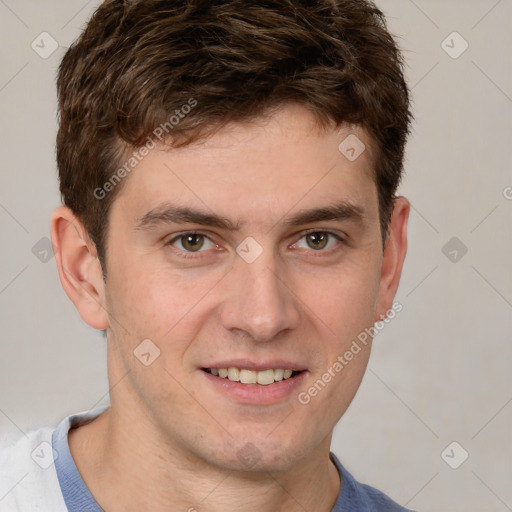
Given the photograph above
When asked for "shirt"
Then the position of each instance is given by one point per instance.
(38, 474)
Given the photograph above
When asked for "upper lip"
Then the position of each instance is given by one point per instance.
(247, 364)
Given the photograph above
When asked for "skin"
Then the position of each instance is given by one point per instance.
(170, 439)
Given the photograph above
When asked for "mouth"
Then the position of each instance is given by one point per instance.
(246, 376)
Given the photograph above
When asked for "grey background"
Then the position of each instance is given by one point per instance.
(440, 372)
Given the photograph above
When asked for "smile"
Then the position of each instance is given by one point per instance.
(244, 376)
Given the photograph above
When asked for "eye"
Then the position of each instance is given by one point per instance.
(191, 242)
(318, 240)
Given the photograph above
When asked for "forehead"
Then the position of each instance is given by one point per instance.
(259, 169)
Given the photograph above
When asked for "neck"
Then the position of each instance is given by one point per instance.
(127, 466)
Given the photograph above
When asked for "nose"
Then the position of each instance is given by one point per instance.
(259, 302)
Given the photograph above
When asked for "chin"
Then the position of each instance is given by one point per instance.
(255, 455)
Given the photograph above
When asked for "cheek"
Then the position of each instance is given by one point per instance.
(154, 301)
(343, 298)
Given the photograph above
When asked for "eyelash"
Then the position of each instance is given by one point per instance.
(192, 255)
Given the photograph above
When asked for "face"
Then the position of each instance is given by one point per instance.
(259, 249)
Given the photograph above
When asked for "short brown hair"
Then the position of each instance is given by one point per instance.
(137, 62)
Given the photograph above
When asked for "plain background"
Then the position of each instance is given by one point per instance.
(439, 372)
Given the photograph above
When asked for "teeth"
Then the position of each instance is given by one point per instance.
(234, 374)
(278, 374)
(247, 377)
(264, 377)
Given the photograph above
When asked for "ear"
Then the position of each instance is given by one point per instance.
(79, 267)
(395, 249)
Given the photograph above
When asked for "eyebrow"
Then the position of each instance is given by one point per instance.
(340, 211)
(168, 214)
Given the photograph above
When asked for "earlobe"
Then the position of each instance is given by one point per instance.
(395, 250)
(79, 268)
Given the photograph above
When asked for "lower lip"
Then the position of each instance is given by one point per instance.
(256, 393)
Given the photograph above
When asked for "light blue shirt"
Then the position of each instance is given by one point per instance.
(353, 496)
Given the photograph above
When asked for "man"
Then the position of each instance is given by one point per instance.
(228, 171)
